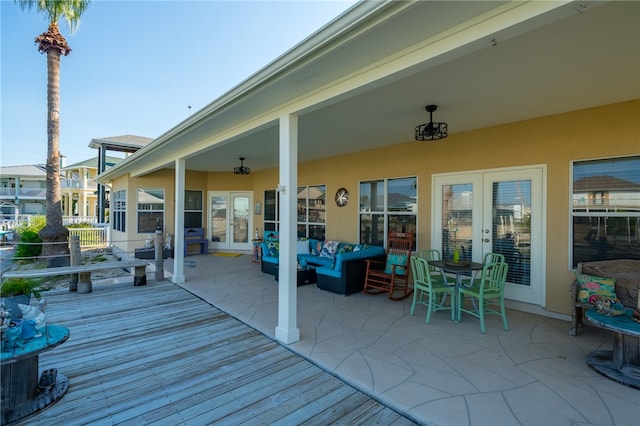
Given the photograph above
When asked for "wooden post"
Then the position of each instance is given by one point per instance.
(158, 242)
(74, 251)
(84, 283)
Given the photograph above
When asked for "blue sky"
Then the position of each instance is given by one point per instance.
(137, 66)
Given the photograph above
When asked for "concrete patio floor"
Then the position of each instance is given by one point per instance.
(443, 373)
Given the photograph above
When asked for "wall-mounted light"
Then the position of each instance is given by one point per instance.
(281, 189)
(258, 208)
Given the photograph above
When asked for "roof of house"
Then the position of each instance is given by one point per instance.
(29, 170)
(362, 82)
(124, 143)
(92, 163)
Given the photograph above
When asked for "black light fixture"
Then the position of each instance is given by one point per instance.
(242, 170)
(431, 131)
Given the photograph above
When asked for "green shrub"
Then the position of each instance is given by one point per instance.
(18, 286)
(28, 246)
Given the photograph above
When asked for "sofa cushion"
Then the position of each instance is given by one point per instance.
(589, 285)
(396, 259)
(271, 235)
(315, 247)
(329, 249)
(273, 248)
(302, 247)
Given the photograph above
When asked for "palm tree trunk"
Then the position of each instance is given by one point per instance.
(54, 232)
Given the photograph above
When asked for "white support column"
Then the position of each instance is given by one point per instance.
(287, 330)
(178, 238)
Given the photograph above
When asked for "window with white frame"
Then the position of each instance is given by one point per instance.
(605, 209)
(387, 205)
(150, 210)
(192, 209)
(119, 210)
(311, 211)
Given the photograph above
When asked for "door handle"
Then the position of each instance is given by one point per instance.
(486, 240)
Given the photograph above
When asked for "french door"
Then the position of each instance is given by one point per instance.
(495, 211)
(230, 220)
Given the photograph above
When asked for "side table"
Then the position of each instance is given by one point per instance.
(621, 364)
(23, 392)
(257, 251)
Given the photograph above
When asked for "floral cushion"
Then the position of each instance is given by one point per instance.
(588, 286)
(329, 249)
(274, 248)
(396, 259)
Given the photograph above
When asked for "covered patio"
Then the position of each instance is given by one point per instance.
(444, 373)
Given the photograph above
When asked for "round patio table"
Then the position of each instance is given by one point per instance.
(23, 392)
(621, 364)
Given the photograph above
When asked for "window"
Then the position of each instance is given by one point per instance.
(150, 209)
(605, 210)
(192, 209)
(271, 210)
(311, 211)
(387, 205)
(119, 210)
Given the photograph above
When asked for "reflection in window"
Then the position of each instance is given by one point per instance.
(311, 211)
(119, 210)
(386, 206)
(457, 220)
(192, 209)
(606, 210)
(150, 210)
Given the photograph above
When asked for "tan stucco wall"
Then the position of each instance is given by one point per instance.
(554, 141)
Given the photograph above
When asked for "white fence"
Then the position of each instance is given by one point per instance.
(92, 237)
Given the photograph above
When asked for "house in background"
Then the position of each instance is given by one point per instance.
(22, 190)
(79, 189)
(530, 97)
(127, 144)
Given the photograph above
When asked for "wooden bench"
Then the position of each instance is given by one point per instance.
(625, 272)
(195, 236)
(84, 271)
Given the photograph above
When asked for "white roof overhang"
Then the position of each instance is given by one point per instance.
(362, 81)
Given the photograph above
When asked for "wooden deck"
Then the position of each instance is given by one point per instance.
(158, 354)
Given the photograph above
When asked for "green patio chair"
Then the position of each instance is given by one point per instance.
(427, 292)
(487, 258)
(437, 276)
(486, 294)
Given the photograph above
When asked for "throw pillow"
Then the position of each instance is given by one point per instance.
(588, 286)
(329, 249)
(346, 248)
(274, 248)
(302, 247)
(272, 236)
(396, 259)
(316, 247)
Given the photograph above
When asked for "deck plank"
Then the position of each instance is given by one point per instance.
(156, 354)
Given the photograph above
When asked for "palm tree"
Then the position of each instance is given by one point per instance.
(54, 45)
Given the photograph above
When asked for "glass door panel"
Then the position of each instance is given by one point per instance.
(219, 222)
(231, 220)
(241, 217)
(457, 220)
(494, 212)
(512, 226)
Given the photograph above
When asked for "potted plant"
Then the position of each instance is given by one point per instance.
(15, 291)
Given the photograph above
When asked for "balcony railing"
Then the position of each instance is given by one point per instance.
(39, 193)
(78, 184)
